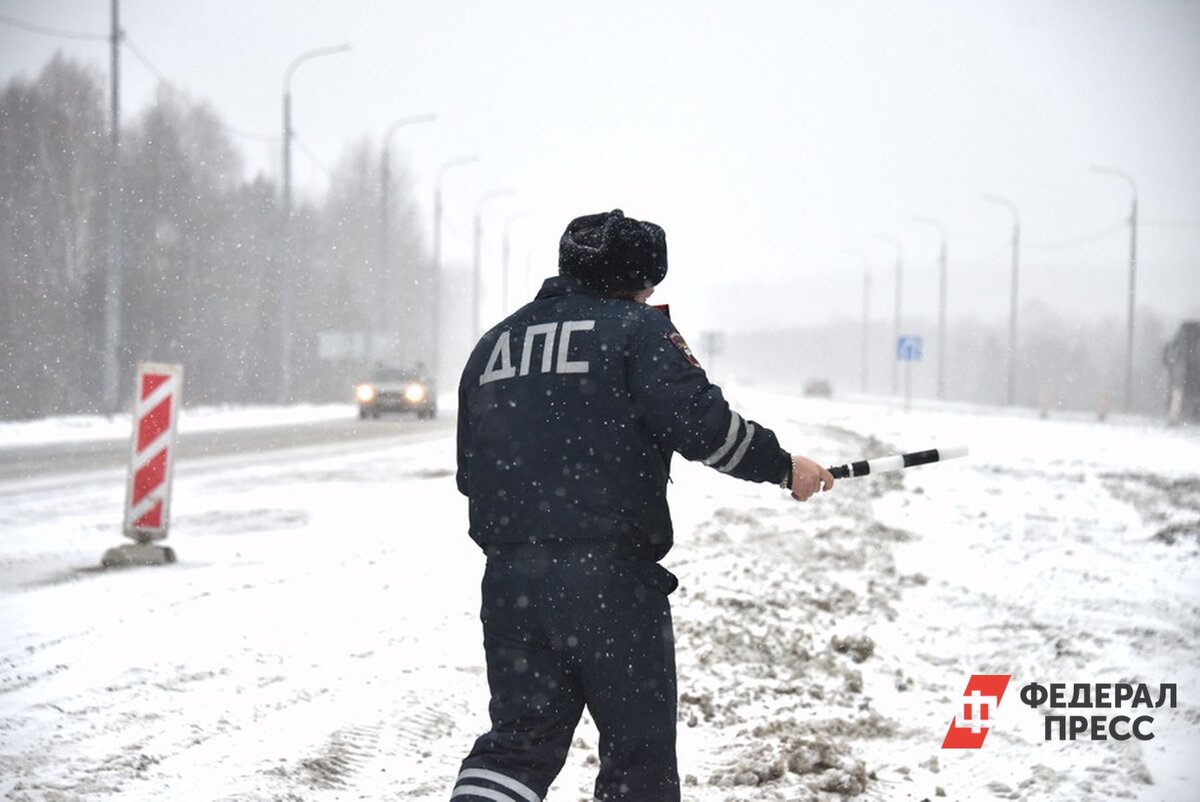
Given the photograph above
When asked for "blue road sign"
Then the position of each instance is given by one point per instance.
(909, 348)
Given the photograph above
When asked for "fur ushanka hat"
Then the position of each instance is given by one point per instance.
(610, 252)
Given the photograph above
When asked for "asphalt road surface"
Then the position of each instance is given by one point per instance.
(29, 462)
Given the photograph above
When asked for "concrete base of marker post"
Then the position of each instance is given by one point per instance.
(132, 554)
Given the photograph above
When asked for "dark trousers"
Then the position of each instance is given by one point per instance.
(561, 633)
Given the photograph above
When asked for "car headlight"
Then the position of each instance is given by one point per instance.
(415, 393)
(365, 393)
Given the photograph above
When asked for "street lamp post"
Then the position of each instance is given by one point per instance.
(285, 351)
(896, 312)
(387, 304)
(476, 272)
(1133, 220)
(1012, 307)
(437, 255)
(942, 270)
(504, 272)
(112, 358)
(865, 308)
(113, 277)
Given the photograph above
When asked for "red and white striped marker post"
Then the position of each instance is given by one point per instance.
(157, 400)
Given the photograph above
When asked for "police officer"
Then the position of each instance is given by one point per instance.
(569, 412)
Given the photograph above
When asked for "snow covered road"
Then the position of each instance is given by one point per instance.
(29, 450)
(318, 638)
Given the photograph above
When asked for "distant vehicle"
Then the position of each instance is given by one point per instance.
(818, 388)
(397, 390)
(1182, 358)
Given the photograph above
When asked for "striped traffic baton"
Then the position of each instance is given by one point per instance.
(896, 462)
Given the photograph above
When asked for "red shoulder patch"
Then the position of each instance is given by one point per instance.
(677, 340)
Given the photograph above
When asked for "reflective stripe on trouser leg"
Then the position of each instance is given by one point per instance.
(513, 789)
(477, 792)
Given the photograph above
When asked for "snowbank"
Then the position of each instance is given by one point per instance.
(81, 428)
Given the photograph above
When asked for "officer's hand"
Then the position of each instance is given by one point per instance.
(808, 478)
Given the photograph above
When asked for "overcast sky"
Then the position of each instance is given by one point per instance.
(768, 138)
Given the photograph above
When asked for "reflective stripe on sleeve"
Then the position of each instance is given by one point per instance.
(743, 447)
(735, 423)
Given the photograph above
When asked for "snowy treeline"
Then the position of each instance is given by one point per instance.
(202, 252)
(1063, 363)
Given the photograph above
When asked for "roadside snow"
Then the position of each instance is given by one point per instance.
(81, 428)
(319, 640)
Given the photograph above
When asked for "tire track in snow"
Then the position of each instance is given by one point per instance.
(346, 751)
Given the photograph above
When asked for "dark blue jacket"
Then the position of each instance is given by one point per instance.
(569, 412)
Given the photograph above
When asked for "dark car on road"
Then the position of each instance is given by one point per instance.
(818, 388)
(397, 390)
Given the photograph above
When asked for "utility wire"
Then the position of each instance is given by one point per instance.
(1074, 243)
(61, 34)
(140, 55)
(1170, 223)
(261, 137)
(136, 52)
(985, 261)
(311, 156)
